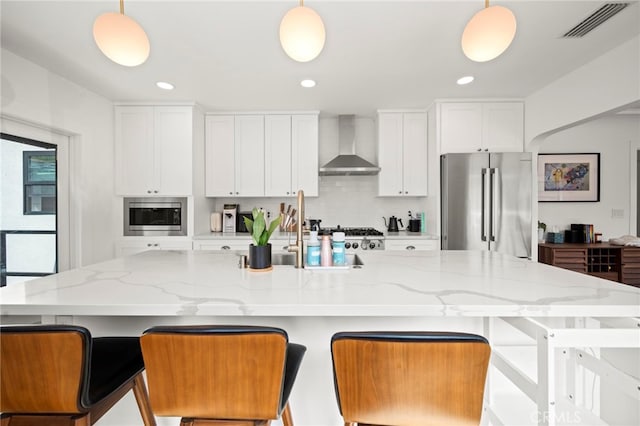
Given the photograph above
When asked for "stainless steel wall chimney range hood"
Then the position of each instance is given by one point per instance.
(347, 162)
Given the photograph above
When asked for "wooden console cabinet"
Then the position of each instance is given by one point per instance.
(611, 262)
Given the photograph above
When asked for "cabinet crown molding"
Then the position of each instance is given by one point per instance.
(213, 113)
(162, 104)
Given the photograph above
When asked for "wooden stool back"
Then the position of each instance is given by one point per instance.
(42, 372)
(215, 375)
(405, 379)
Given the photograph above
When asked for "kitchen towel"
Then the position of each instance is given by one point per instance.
(626, 240)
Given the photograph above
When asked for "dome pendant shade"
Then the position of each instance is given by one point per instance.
(489, 33)
(302, 34)
(121, 39)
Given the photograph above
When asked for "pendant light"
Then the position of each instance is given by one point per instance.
(121, 38)
(489, 33)
(302, 33)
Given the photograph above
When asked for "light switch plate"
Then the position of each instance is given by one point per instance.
(617, 213)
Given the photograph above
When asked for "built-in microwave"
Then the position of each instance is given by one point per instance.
(155, 216)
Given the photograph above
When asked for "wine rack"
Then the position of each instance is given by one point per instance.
(611, 262)
(604, 262)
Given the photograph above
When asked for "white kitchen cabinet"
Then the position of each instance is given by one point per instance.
(270, 155)
(153, 150)
(249, 153)
(481, 126)
(291, 154)
(222, 244)
(234, 153)
(220, 155)
(278, 155)
(411, 244)
(127, 248)
(402, 154)
(237, 244)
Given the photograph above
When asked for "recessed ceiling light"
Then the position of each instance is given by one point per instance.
(164, 85)
(307, 83)
(465, 80)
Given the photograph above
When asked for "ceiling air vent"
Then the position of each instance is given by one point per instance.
(596, 19)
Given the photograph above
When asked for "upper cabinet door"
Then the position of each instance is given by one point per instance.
(134, 153)
(415, 151)
(220, 156)
(390, 154)
(481, 126)
(503, 126)
(460, 127)
(304, 154)
(173, 150)
(277, 165)
(154, 147)
(249, 155)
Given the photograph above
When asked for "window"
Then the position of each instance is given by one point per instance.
(39, 182)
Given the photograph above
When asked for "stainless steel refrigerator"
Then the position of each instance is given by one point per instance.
(486, 202)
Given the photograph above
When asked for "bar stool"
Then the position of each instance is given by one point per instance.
(233, 375)
(60, 375)
(409, 378)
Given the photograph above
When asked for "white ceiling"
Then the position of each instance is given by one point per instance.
(225, 55)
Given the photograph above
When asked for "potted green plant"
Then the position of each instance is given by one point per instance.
(260, 230)
(542, 228)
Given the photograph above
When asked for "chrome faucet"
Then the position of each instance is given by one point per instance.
(297, 248)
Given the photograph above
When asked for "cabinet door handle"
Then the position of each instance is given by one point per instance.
(406, 192)
(149, 191)
(155, 191)
(479, 149)
(226, 248)
(149, 244)
(411, 247)
(237, 193)
(400, 192)
(230, 193)
(155, 245)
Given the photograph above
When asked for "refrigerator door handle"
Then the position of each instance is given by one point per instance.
(483, 207)
(494, 202)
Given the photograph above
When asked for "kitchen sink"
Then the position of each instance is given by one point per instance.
(290, 259)
(283, 258)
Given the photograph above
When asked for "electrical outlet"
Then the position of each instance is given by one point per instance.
(617, 213)
(64, 319)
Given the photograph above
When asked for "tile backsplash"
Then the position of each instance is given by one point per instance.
(343, 200)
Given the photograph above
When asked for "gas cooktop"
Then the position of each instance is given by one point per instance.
(355, 232)
(363, 238)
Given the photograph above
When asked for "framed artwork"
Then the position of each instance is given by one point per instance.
(569, 177)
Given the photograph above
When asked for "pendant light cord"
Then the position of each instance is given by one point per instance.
(301, 3)
(486, 3)
(122, 7)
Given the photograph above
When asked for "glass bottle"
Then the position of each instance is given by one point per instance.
(325, 251)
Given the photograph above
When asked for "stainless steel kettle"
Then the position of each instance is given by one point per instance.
(392, 226)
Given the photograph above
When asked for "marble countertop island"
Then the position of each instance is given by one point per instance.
(433, 284)
(478, 292)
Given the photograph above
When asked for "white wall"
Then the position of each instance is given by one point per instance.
(35, 95)
(607, 83)
(348, 201)
(613, 137)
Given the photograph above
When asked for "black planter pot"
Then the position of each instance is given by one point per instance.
(259, 256)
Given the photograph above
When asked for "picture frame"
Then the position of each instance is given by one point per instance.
(569, 177)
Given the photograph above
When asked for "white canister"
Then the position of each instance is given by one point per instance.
(216, 222)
